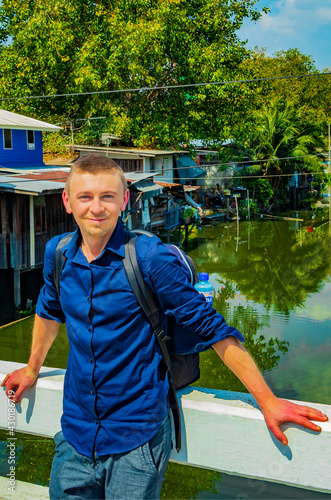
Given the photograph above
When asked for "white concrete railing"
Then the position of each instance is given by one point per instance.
(223, 431)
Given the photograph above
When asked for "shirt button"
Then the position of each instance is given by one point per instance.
(88, 297)
(88, 328)
(91, 392)
(96, 422)
(90, 360)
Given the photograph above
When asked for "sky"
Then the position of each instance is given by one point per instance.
(293, 24)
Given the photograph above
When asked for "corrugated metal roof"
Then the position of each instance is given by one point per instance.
(27, 170)
(57, 175)
(28, 186)
(148, 188)
(15, 121)
(188, 169)
(62, 173)
(51, 180)
(134, 177)
(172, 184)
(129, 151)
(167, 184)
(52, 175)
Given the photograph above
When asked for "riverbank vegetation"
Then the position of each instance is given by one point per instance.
(282, 143)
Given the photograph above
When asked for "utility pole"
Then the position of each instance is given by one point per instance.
(329, 172)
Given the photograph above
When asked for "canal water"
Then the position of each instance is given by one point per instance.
(272, 280)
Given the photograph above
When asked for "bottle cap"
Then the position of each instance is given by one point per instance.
(204, 276)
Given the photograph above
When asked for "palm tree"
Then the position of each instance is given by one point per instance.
(284, 142)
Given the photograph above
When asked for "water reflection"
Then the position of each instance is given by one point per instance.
(272, 281)
(266, 352)
(34, 457)
(185, 482)
(16, 343)
(276, 289)
(271, 263)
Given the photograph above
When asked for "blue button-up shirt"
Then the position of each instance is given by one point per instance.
(115, 394)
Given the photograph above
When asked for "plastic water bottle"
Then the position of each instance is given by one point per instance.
(203, 286)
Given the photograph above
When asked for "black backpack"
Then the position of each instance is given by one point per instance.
(182, 368)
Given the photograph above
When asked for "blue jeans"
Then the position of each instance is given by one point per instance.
(136, 474)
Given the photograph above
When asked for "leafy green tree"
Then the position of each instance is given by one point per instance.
(259, 187)
(283, 141)
(311, 95)
(62, 46)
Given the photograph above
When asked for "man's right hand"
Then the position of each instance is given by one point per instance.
(17, 381)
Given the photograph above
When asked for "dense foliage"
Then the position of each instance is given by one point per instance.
(75, 46)
(62, 46)
(311, 95)
(283, 142)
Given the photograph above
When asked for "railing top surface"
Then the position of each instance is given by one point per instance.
(222, 430)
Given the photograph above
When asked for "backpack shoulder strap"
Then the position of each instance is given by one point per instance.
(140, 289)
(146, 301)
(187, 263)
(60, 260)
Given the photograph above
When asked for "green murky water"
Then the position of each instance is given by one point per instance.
(272, 280)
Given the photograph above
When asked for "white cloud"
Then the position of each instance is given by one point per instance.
(324, 14)
(317, 306)
(277, 25)
(320, 313)
(295, 17)
(302, 24)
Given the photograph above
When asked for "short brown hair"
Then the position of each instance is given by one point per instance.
(94, 164)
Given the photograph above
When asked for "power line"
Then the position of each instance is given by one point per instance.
(245, 162)
(266, 176)
(233, 163)
(167, 87)
(81, 120)
(21, 180)
(16, 176)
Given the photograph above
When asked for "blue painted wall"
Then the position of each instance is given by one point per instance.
(20, 156)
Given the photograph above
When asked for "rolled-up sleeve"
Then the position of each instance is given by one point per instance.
(178, 298)
(48, 304)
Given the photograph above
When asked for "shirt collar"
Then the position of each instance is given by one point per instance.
(115, 243)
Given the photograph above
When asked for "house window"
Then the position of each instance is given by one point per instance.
(30, 139)
(40, 221)
(7, 139)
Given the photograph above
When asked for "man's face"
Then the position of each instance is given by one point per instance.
(95, 202)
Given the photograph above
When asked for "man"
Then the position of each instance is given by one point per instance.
(116, 435)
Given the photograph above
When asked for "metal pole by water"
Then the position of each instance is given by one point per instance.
(248, 207)
(235, 197)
